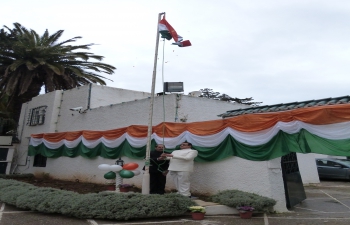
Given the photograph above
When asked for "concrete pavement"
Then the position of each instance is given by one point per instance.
(327, 203)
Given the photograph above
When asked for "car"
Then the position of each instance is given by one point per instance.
(331, 168)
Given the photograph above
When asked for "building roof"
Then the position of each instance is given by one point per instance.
(287, 106)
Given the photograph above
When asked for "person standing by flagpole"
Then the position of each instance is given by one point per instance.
(181, 167)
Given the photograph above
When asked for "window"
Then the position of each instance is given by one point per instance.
(39, 161)
(36, 116)
(3, 154)
(322, 162)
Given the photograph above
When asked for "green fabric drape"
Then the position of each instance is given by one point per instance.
(280, 145)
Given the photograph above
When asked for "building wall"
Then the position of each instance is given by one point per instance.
(203, 108)
(103, 95)
(308, 168)
(52, 100)
(208, 178)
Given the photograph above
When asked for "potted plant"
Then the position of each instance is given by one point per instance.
(245, 211)
(110, 185)
(197, 212)
(125, 187)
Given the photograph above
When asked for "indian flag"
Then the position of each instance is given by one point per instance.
(168, 32)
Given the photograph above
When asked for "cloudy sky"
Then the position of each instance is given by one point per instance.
(274, 51)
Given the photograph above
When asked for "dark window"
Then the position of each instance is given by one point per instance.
(321, 163)
(330, 163)
(3, 167)
(36, 116)
(39, 161)
(3, 154)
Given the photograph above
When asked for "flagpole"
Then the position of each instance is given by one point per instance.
(146, 176)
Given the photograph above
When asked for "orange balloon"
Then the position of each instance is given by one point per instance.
(130, 166)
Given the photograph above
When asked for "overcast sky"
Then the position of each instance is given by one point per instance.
(274, 51)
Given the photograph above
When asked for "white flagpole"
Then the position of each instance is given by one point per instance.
(146, 177)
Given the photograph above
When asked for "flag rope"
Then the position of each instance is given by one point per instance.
(163, 93)
(163, 126)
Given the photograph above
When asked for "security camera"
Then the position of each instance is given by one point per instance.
(76, 108)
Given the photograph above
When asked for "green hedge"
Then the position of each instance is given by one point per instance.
(235, 198)
(103, 205)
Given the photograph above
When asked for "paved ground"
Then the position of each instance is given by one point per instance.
(327, 203)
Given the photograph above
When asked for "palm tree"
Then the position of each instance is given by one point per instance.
(29, 61)
(7, 124)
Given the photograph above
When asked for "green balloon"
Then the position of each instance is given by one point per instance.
(110, 175)
(126, 174)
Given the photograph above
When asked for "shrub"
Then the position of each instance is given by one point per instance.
(126, 206)
(103, 205)
(63, 203)
(10, 183)
(47, 200)
(10, 190)
(235, 198)
(10, 194)
(32, 199)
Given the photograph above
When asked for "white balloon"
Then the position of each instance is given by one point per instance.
(116, 168)
(104, 167)
(136, 172)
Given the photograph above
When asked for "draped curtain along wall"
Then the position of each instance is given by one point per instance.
(258, 137)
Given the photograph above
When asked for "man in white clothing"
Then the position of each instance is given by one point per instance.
(181, 166)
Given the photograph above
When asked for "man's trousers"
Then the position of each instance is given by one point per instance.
(182, 181)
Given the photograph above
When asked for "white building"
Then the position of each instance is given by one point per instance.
(105, 108)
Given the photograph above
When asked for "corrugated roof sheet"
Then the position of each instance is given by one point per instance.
(287, 106)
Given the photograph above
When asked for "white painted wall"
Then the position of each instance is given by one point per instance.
(103, 95)
(264, 178)
(194, 108)
(308, 168)
(52, 101)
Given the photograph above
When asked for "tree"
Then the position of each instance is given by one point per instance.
(29, 61)
(209, 93)
(6, 122)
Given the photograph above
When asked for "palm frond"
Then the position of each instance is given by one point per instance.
(68, 41)
(54, 37)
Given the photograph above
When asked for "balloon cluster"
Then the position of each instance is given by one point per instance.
(127, 171)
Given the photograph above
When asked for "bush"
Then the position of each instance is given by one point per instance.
(10, 183)
(234, 198)
(126, 206)
(10, 194)
(12, 189)
(103, 205)
(47, 200)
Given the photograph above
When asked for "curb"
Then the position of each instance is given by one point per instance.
(212, 208)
